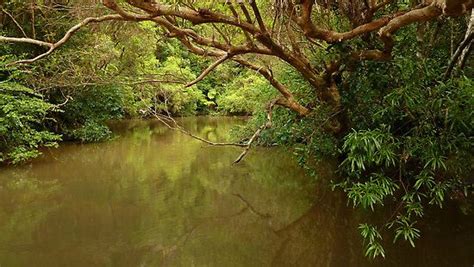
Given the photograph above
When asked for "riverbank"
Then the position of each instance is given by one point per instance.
(155, 197)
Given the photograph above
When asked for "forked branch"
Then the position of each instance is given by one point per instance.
(172, 124)
(209, 69)
(266, 125)
(53, 46)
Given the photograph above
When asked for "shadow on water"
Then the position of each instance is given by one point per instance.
(154, 197)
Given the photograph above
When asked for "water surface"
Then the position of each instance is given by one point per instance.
(155, 197)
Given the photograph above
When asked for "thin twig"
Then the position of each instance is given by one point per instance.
(171, 123)
(256, 135)
(15, 21)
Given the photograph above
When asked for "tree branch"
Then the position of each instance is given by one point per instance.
(236, 15)
(62, 41)
(454, 59)
(258, 132)
(245, 11)
(172, 124)
(16, 22)
(260, 22)
(25, 40)
(289, 100)
(209, 69)
(465, 53)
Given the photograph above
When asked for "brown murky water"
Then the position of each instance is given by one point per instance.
(154, 197)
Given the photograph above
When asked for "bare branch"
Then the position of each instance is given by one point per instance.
(314, 32)
(62, 41)
(222, 34)
(25, 40)
(171, 123)
(16, 22)
(209, 69)
(245, 11)
(200, 16)
(256, 135)
(416, 15)
(465, 53)
(289, 100)
(258, 16)
(236, 15)
(68, 97)
(454, 59)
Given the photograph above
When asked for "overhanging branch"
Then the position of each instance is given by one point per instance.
(53, 46)
(209, 69)
(258, 132)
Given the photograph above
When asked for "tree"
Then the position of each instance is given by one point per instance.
(287, 30)
(332, 46)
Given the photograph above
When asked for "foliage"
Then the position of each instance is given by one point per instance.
(244, 95)
(410, 140)
(97, 76)
(422, 156)
(84, 117)
(372, 238)
(91, 131)
(304, 134)
(172, 97)
(407, 132)
(23, 114)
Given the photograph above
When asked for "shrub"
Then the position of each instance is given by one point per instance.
(91, 131)
(23, 115)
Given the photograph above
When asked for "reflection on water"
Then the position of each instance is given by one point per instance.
(154, 197)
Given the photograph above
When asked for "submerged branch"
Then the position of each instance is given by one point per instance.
(172, 124)
(256, 135)
(251, 207)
